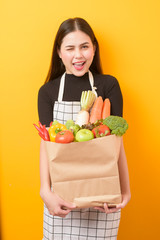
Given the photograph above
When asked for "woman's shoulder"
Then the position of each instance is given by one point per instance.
(51, 84)
(105, 77)
(50, 87)
(105, 80)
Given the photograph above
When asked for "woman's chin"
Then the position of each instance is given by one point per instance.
(79, 72)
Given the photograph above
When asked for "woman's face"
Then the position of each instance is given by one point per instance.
(77, 53)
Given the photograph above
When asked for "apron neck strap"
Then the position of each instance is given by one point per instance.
(61, 88)
(91, 80)
(62, 82)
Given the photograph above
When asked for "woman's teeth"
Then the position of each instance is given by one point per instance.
(79, 64)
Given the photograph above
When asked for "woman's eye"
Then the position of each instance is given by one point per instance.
(85, 46)
(69, 49)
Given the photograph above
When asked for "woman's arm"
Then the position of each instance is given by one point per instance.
(124, 183)
(56, 206)
(44, 171)
(124, 177)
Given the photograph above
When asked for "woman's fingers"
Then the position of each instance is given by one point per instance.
(106, 209)
(61, 213)
(122, 205)
(57, 206)
(109, 209)
(125, 199)
(65, 205)
(101, 209)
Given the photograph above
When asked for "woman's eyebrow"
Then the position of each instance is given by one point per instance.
(69, 46)
(84, 43)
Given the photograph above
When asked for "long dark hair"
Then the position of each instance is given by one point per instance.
(57, 67)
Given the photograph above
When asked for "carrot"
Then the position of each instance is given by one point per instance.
(106, 111)
(96, 111)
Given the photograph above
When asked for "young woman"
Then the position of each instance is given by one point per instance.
(75, 67)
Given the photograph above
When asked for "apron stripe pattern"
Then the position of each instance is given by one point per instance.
(79, 224)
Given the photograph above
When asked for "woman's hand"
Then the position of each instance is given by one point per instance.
(125, 199)
(55, 205)
(106, 209)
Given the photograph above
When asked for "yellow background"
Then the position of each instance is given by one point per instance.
(129, 37)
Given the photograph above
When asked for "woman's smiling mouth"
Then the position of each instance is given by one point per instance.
(79, 65)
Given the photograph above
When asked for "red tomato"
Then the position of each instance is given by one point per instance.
(65, 136)
(101, 130)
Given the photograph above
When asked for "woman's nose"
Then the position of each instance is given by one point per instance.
(78, 53)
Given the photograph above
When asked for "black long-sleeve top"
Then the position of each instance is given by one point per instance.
(107, 87)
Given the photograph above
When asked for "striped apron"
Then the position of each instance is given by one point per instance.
(79, 224)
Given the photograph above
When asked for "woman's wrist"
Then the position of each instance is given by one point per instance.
(126, 192)
(44, 191)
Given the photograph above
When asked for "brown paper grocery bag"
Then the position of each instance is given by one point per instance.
(86, 173)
